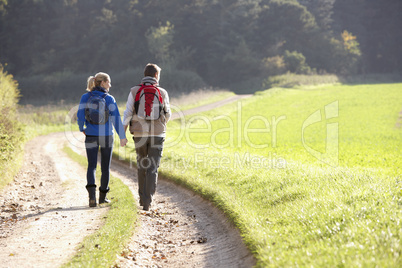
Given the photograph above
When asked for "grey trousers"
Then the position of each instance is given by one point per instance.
(149, 154)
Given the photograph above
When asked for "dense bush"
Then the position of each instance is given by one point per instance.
(39, 89)
(11, 132)
(296, 62)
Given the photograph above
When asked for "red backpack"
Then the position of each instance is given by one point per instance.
(148, 102)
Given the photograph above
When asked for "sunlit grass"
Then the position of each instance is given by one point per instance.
(292, 208)
(42, 120)
(199, 97)
(290, 80)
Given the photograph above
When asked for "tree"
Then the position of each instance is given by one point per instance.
(296, 62)
(160, 40)
(322, 11)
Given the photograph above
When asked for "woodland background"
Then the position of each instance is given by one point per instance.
(52, 46)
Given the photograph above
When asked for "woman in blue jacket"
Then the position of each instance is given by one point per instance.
(99, 134)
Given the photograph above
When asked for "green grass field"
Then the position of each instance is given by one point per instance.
(311, 176)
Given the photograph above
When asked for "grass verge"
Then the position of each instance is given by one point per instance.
(47, 119)
(10, 168)
(101, 248)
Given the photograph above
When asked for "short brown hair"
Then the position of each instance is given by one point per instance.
(151, 70)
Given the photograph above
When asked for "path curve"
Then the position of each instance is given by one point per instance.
(45, 215)
(181, 230)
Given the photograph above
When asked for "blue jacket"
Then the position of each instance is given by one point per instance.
(101, 130)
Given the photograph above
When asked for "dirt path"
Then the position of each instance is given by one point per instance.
(44, 212)
(181, 230)
(44, 216)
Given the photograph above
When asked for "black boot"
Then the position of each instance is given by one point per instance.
(102, 196)
(92, 195)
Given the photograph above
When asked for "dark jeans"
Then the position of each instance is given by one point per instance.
(149, 154)
(92, 145)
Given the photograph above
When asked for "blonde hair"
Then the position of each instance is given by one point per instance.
(95, 81)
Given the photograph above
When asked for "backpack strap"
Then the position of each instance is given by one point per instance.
(138, 94)
(160, 95)
(142, 86)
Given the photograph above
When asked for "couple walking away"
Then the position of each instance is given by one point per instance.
(147, 112)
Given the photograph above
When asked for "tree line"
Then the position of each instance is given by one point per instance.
(53, 45)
